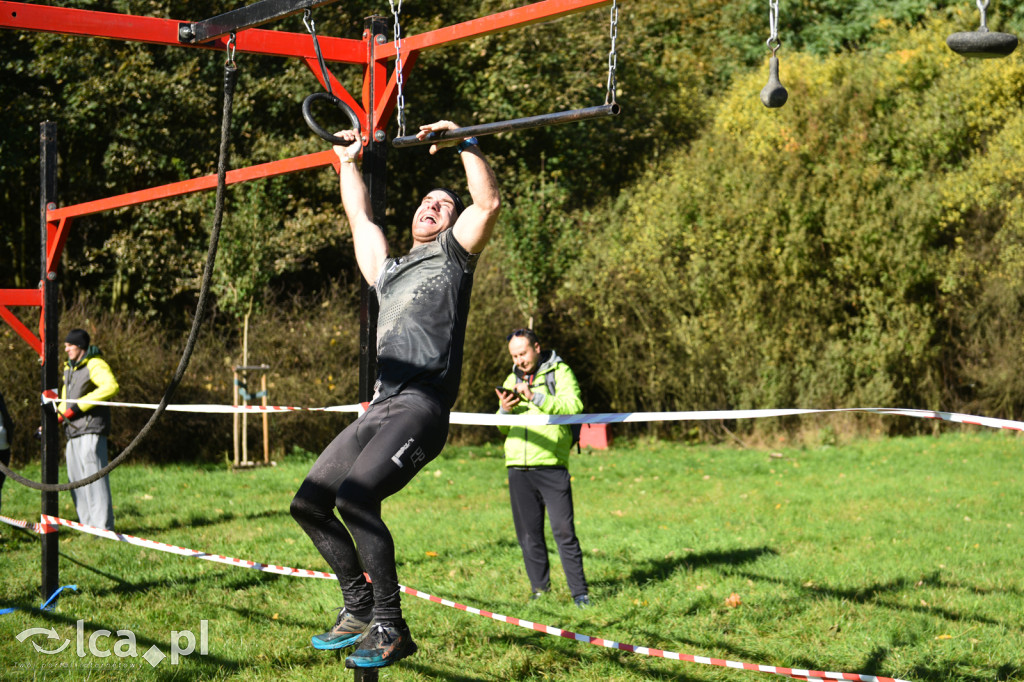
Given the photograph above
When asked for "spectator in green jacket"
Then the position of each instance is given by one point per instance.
(536, 458)
(87, 378)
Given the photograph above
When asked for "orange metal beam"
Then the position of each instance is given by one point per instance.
(206, 182)
(28, 297)
(57, 237)
(495, 23)
(80, 22)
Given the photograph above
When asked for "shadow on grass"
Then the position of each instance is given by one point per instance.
(229, 579)
(192, 521)
(314, 621)
(651, 570)
(873, 665)
(877, 594)
(485, 549)
(538, 665)
(17, 535)
(875, 662)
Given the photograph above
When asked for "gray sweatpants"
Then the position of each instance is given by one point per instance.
(86, 455)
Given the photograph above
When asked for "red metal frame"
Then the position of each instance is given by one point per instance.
(32, 297)
(365, 51)
(81, 22)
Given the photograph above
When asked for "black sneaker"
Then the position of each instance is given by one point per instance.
(537, 594)
(345, 632)
(383, 644)
(582, 601)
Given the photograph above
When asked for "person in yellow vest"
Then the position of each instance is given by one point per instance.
(87, 378)
(536, 459)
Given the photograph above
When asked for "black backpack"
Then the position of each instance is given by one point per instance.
(549, 379)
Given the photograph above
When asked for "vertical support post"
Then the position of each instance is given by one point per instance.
(375, 176)
(234, 415)
(266, 426)
(245, 417)
(50, 319)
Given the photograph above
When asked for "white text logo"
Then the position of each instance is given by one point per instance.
(182, 643)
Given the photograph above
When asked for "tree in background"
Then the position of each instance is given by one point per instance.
(537, 244)
(802, 256)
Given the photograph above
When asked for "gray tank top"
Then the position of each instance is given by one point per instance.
(421, 326)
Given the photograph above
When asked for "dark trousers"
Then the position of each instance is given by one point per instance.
(531, 491)
(375, 457)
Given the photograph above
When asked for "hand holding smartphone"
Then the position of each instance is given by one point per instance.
(508, 397)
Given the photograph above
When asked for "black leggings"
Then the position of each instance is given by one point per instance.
(375, 457)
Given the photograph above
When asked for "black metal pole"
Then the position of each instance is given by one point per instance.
(250, 16)
(49, 374)
(375, 175)
(540, 121)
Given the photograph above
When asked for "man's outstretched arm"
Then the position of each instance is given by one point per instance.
(474, 227)
(371, 247)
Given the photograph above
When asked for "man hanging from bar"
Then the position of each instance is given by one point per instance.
(421, 326)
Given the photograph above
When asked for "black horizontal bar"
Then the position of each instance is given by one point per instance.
(513, 124)
(249, 16)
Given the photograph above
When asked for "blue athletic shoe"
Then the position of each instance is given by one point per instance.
(383, 644)
(345, 632)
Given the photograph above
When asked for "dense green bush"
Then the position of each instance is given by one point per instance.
(823, 254)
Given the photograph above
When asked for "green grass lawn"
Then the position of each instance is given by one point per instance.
(895, 557)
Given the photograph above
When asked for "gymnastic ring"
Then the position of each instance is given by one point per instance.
(307, 114)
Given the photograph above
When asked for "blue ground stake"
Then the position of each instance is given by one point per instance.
(46, 606)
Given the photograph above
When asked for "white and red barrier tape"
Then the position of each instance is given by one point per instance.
(647, 651)
(484, 419)
(18, 523)
(49, 524)
(51, 396)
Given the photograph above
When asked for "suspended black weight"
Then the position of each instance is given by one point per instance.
(982, 44)
(773, 95)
